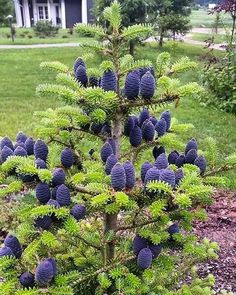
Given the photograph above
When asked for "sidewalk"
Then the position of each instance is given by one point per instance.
(39, 46)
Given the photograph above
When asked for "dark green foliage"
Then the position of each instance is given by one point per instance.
(44, 28)
(14, 244)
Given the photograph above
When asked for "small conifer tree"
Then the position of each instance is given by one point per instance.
(107, 209)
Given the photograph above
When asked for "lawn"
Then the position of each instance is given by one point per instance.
(217, 38)
(201, 19)
(26, 36)
(20, 74)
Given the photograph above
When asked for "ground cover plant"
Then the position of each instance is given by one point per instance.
(103, 218)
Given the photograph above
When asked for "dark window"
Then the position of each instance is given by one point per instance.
(41, 1)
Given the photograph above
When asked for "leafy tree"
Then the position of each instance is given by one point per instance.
(5, 9)
(105, 220)
(228, 6)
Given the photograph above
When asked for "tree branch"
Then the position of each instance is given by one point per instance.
(87, 242)
(82, 189)
(218, 170)
(142, 103)
(128, 227)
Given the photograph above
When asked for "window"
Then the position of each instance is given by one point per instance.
(43, 12)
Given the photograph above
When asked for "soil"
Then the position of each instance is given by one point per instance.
(221, 227)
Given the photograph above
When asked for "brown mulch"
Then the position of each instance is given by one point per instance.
(221, 227)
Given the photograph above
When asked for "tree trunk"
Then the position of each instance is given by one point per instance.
(161, 38)
(131, 47)
(233, 30)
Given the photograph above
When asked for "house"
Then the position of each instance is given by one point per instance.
(211, 6)
(63, 13)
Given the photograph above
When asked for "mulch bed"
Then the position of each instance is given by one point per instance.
(221, 228)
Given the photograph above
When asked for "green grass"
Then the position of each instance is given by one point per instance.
(20, 74)
(62, 37)
(201, 18)
(217, 39)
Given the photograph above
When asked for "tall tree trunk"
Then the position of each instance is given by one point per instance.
(233, 29)
(161, 38)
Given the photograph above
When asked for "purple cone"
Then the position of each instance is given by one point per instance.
(138, 244)
(53, 203)
(129, 125)
(19, 151)
(118, 177)
(43, 222)
(135, 136)
(44, 273)
(180, 161)
(81, 75)
(200, 162)
(27, 280)
(191, 156)
(144, 115)
(147, 86)
(173, 229)
(148, 131)
(21, 136)
(78, 211)
(106, 151)
(160, 127)
(110, 162)
(166, 115)
(152, 174)
(130, 174)
(157, 151)
(63, 195)
(6, 142)
(78, 62)
(161, 162)
(156, 250)
(14, 244)
(173, 157)
(168, 176)
(191, 145)
(42, 192)
(153, 120)
(40, 164)
(40, 150)
(19, 143)
(29, 145)
(144, 169)
(58, 177)
(5, 153)
(109, 81)
(132, 84)
(67, 158)
(6, 251)
(144, 259)
(179, 175)
(112, 143)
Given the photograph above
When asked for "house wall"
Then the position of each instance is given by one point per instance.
(90, 17)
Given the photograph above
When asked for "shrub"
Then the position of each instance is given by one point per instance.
(45, 28)
(104, 231)
(219, 78)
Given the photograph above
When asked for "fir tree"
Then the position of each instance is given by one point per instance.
(103, 230)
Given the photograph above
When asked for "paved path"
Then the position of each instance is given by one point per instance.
(39, 46)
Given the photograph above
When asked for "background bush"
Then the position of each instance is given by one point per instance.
(45, 28)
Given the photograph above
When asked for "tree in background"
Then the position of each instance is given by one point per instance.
(6, 8)
(228, 6)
